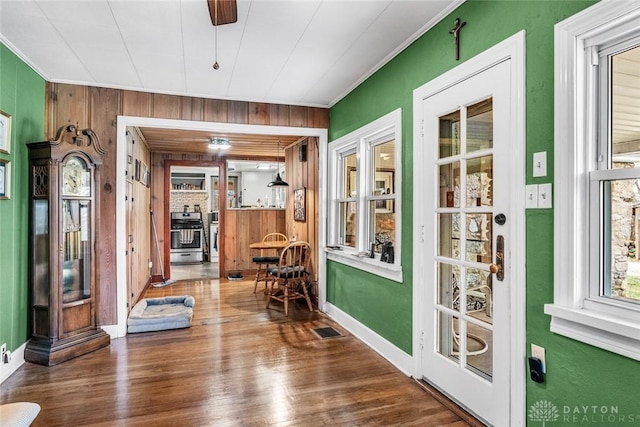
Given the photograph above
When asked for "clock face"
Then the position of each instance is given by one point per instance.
(75, 178)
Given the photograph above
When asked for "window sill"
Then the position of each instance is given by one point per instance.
(370, 265)
(597, 329)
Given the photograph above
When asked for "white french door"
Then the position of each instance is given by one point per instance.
(464, 263)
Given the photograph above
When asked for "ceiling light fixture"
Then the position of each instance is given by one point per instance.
(219, 143)
(278, 182)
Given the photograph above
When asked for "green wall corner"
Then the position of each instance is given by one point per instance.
(22, 96)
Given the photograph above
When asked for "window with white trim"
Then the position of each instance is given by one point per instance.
(364, 197)
(597, 173)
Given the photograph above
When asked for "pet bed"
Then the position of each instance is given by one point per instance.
(159, 314)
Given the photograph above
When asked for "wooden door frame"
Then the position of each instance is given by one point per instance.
(512, 49)
(123, 122)
(166, 188)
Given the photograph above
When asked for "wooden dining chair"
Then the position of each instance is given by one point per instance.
(264, 262)
(289, 278)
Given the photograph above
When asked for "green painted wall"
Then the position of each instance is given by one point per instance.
(22, 96)
(577, 374)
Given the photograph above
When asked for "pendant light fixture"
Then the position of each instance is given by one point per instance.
(278, 182)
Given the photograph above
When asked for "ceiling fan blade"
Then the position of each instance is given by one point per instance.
(227, 11)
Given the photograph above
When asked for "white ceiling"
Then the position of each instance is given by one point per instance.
(298, 52)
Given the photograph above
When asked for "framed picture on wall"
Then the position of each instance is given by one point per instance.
(5, 132)
(5, 179)
(300, 204)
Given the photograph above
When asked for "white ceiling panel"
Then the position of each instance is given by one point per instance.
(300, 52)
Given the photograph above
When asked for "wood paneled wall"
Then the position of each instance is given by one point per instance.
(304, 174)
(243, 227)
(98, 108)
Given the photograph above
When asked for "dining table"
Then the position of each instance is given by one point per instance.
(278, 245)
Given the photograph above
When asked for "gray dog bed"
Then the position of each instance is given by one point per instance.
(159, 314)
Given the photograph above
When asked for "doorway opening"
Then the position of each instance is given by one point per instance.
(168, 125)
(194, 211)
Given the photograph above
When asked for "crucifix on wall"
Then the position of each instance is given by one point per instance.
(457, 26)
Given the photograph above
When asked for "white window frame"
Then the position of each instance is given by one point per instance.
(576, 311)
(362, 141)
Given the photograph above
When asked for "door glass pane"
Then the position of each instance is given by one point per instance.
(449, 135)
(449, 235)
(480, 126)
(450, 185)
(479, 345)
(448, 279)
(479, 238)
(466, 290)
(479, 182)
(447, 339)
(479, 294)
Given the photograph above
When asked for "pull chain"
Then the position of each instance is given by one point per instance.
(215, 64)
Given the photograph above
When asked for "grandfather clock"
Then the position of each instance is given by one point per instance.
(64, 180)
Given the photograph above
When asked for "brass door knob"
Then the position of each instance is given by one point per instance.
(494, 268)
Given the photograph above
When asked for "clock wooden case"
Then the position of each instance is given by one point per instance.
(64, 181)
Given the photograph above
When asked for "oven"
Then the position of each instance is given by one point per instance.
(187, 237)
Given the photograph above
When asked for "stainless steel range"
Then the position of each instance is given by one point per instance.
(187, 237)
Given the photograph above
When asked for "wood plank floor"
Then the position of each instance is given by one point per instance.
(238, 365)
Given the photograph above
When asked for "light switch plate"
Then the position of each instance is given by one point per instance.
(540, 164)
(545, 196)
(531, 194)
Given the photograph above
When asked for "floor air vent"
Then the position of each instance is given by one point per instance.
(328, 332)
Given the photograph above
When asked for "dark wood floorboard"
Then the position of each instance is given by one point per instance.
(238, 365)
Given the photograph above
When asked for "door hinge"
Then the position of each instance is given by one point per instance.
(422, 128)
(422, 340)
(422, 234)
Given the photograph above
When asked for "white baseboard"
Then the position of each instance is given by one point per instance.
(17, 360)
(397, 357)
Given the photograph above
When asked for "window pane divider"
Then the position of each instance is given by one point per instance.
(614, 174)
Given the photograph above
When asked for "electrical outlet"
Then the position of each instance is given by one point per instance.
(537, 351)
